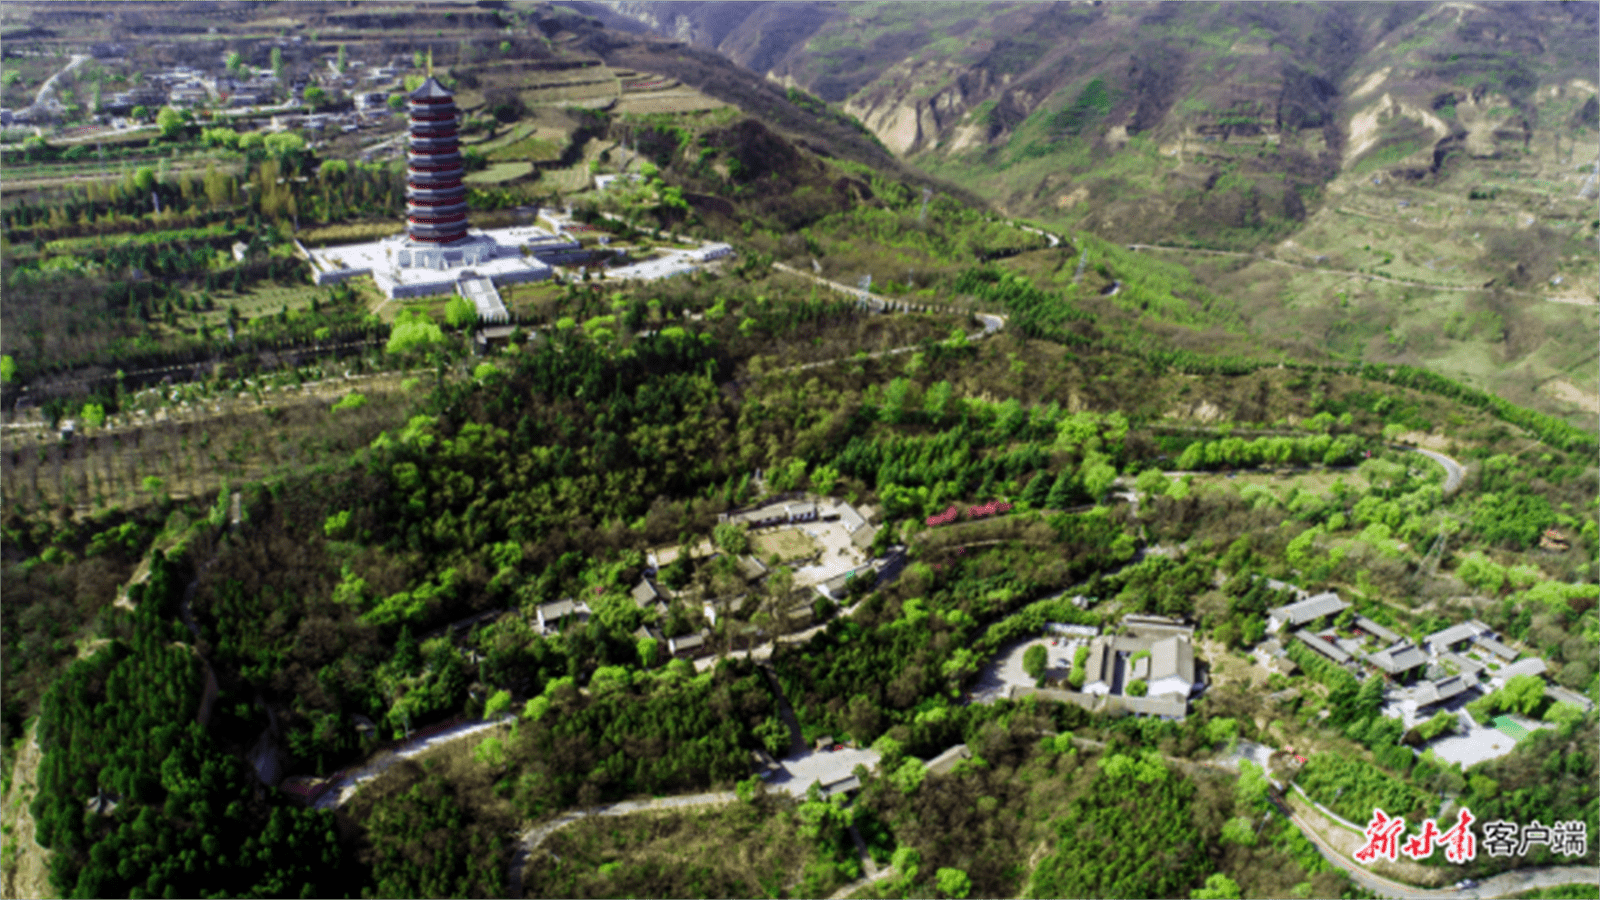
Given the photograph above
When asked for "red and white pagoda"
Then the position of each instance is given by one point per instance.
(436, 200)
(439, 253)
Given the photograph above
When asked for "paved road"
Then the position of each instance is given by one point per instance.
(1331, 271)
(49, 86)
(859, 883)
(1054, 241)
(346, 785)
(1453, 472)
(1502, 885)
(1577, 301)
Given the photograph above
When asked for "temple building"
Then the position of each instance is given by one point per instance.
(436, 200)
(439, 253)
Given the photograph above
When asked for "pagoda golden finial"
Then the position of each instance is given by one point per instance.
(430, 62)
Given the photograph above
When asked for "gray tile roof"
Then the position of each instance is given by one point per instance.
(1324, 604)
(852, 520)
(1322, 646)
(863, 537)
(1438, 691)
(1455, 634)
(1097, 667)
(1171, 657)
(1401, 657)
(1495, 647)
(687, 642)
(751, 568)
(551, 614)
(1376, 630)
(947, 760)
(1533, 665)
(431, 88)
(1155, 627)
(1166, 705)
(1562, 695)
(645, 593)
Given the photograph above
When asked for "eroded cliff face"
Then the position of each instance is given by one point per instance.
(923, 103)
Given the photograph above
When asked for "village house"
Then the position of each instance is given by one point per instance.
(1323, 647)
(1305, 613)
(560, 614)
(1485, 640)
(1533, 665)
(1383, 634)
(1165, 663)
(1430, 693)
(1398, 659)
(689, 646)
(1456, 637)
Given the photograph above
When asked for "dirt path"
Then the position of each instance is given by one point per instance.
(854, 886)
(530, 839)
(48, 89)
(27, 873)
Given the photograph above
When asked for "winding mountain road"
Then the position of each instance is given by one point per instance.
(48, 89)
(1453, 473)
(530, 839)
(345, 785)
(1502, 885)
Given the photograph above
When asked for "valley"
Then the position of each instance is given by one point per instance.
(1263, 130)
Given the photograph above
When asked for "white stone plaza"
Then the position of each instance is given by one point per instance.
(402, 270)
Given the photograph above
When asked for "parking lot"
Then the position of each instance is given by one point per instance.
(1473, 743)
(1478, 742)
(838, 554)
(820, 766)
(1006, 667)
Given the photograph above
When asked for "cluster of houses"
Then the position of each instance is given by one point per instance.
(796, 509)
(1153, 649)
(654, 597)
(1402, 662)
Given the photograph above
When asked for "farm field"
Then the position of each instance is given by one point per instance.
(500, 173)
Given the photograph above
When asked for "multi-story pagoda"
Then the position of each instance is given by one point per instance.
(436, 200)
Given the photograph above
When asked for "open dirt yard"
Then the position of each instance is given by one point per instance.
(787, 543)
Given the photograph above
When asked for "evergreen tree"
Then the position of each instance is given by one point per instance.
(1038, 490)
(1061, 492)
(407, 655)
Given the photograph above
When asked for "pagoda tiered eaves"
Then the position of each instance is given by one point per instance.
(436, 199)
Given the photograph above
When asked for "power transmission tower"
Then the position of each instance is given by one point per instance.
(1430, 560)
